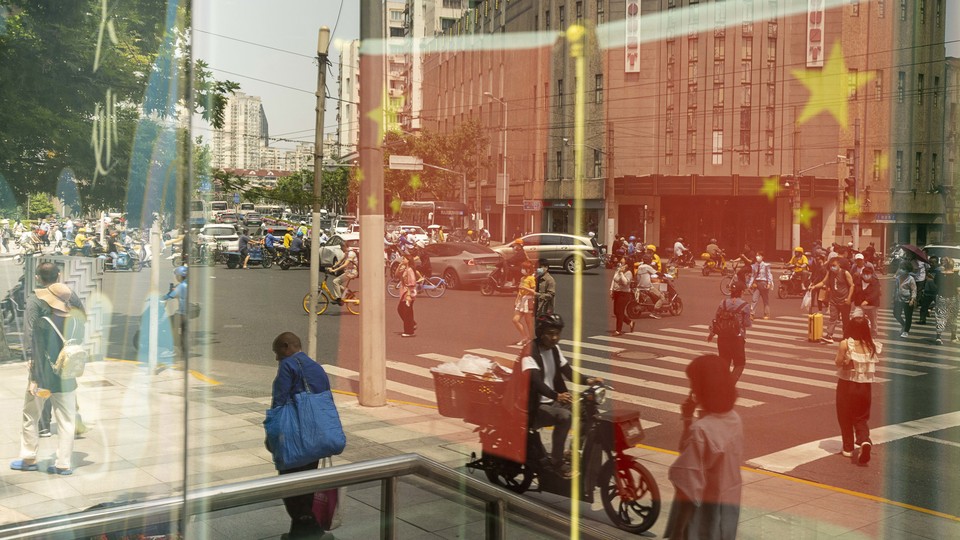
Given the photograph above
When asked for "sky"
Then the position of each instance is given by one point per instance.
(286, 78)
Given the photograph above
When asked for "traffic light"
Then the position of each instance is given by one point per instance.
(850, 188)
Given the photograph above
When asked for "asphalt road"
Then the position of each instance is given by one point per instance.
(787, 391)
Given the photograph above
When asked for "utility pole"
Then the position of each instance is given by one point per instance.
(323, 44)
(855, 171)
(373, 364)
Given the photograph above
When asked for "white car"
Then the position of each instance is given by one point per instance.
(419, 235)
(224, 233)
(341, 226)
(331, 253)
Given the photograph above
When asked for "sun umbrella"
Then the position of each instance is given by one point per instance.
(916, 251)
(433, 227)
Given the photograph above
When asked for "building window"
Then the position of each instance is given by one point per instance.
(903, 10)
(546, 165)
(771, 95)
(919, 88)
(747, 17)
(917, 170)
(719, 47)
(746, 72)
(717, 118)
(771, 49)
(599, 11)
(939, 16)
(854, 8)
(692, 49)
(579, 11)
(877, 155)
(559, 164)
(562, 15)
(878, 85)
(453, 4)
(718, 72)
(936, 92)
(598, 89)
(597, 164)
(691, 147)
(718, 96)
(692, 74)
(923, 11)
(881, 8)
(899, 167)
(852, 84)
(559, 92)
(933, 171)
(901, 86)
(717, 157)
(746, 48)
(546, 20)
(746, 95)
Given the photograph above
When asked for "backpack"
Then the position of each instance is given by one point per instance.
(727, 323)
(72, 358)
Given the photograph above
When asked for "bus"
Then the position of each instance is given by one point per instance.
(269, 210)
(198, 213)
(450, 215)
(218, 206)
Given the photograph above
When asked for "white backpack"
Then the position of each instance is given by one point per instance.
(72, 358)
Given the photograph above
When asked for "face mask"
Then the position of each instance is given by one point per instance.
(540, 271)
(867, 277)
(834, 269)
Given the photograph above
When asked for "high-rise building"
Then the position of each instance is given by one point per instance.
(245, 131)
(348, 94)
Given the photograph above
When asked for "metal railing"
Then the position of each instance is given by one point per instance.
(498, 502)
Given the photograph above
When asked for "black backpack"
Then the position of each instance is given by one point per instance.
(728, 322)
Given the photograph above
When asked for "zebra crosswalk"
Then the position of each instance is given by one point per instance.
(647, 369)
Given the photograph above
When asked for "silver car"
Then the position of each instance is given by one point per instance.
(332, 252)
(565, 251)
(461, 263)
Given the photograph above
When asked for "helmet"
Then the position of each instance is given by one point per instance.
(798, 248)
(713, 240)
(302, 222)
(652, 248)
(269, 230)
(180, 271)
(551, 320)
(299, 234)
(632, 238)
(518, 243)
(591, 234)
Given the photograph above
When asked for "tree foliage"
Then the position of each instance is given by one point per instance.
(95, 88)
(40, 205)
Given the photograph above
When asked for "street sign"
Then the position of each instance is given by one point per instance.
(205, 186)
(406, 163)
(532, 205)
(503, 183)
(236, 198)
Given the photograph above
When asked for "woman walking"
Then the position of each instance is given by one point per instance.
(523, 306)
(621, 295)
(408, 282)
(906, 297)
(839, 286)
(706, 474)
(856, 364)
(947, 305)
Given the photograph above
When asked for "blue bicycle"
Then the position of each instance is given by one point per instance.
(434, 286)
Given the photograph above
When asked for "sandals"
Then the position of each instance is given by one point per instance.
(19, 465)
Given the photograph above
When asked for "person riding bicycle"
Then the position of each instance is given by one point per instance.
(548, 402)
(350, 267)
(800, 265)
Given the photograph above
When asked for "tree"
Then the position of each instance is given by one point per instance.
(40, 206)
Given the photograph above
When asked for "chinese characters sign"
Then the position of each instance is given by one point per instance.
(815, 37)
(632, 43)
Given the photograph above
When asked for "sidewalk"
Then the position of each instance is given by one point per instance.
(134, 451)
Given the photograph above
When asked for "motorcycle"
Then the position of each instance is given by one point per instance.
(642, 304)
(126, 260)
(790, 284)
(496, 282)
(683, 261)
(628, 491)
(258, 255)
(712, 264)
(13, 303)
(484, 237)
(289, 259)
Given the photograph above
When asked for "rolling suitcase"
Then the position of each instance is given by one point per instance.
(814, 326)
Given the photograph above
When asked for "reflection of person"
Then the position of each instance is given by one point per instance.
(180, 318)
(523, 305)
(706, 474)
(296, 370)
(621, 295)
(546, 288)
(856, 362)
(53, 304)
(408, 292)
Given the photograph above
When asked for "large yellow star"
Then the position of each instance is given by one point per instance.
(804, 214)
(377, 115)
(415, 182)
(828, 87)
(851, 207)
(771, 187)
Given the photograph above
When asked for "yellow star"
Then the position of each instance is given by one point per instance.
(415, 182)
(377, 115)
(372, 203)
(771, 187)
(395, 205)
(804, 214)
(828, 87)
(851, 207)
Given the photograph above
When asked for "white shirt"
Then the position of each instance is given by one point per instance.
(678, 249)
(644, 273)
(549, 368)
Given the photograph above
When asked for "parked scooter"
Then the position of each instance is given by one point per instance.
(642, 304)
(13, 304)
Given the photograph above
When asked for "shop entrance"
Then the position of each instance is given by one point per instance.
(733, 221)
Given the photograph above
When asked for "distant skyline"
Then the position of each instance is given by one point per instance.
(286, 79)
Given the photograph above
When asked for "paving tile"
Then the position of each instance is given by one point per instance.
(923, 524)
(407, 432)
(224, 461)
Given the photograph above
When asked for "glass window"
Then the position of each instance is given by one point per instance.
(899, 167)
(717, 156)
(920, 89)
(852, 84)
(901, 86)
(598, 88)
(917, 169)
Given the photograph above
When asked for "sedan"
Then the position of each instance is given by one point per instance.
(252, 220)
(227, 217)
(332, 252)
(461, 263)
(565, 251)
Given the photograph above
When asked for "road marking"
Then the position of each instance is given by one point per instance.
(589, 345)
(406, 389)
(938, 441)
(791, 458)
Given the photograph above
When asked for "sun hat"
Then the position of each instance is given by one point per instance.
(57, 296)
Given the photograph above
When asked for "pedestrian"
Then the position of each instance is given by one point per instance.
(295, 372)
(706, 474)
(947, 305)
(927, 290)
(818, 271)
(53, 310)
(839, 286)
(5, 236)
(729, 325)
(546, 288)
(243, 243)
(179, 319)
(906, 297)
(621, 294)
(866, 296)
(856, 363)
(523, 305)
(859, 262)
(408, 293)
(760, 282)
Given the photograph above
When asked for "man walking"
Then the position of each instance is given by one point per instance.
(53, 311)
(761, 280)
(730, 325)
(866, 296)
(546, 289)
(296, 371)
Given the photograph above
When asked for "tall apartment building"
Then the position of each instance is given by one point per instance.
(734, 119)
(245, 131)
(951, 152)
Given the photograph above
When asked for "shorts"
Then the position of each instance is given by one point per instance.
(244, 252)
(524, 304)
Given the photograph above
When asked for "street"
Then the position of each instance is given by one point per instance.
(786, 393)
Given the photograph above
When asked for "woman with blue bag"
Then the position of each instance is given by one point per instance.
(302, 425)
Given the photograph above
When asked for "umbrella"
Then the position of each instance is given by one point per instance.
(433, 227)
(916, 251)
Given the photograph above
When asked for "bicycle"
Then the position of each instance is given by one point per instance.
(729, 276)
(350, 299)
(434, 286)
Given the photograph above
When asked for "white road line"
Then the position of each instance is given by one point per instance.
(588, 345)
(753, 372)
(938, 441)
(426, 395)
(791, 458)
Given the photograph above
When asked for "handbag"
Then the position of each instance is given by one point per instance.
(806, 302)
(326, 504)
(72, 358)
(306, 428)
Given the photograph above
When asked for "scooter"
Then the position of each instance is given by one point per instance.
(290, 260)
(13, 303)
(126, 260)
(628, 491)
(496, 282)
(258, 256)
(713, 264)
(642, 304)
(790, 284)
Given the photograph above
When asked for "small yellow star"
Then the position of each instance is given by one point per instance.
(851, 207)
(415, 182)
(372, 203)
(828, 87)
(804, 214)
(771, 187)
(377, 115)
(395, 205)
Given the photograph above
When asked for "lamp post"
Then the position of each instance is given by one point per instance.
(323, 44)
(505, 193)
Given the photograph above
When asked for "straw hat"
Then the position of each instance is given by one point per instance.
(57, 296)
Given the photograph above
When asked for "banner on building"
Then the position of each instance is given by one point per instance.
(815, 35)
(632, 42)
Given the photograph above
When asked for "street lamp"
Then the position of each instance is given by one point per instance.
(505, 193)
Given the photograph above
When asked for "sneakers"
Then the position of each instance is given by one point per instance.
(406, 335)
(865, 449)
(827, 340)
(62, 472)
(21, 465)
(938, 341)
(44, 433)
(904, 334)
(844, 453)
(654, 316)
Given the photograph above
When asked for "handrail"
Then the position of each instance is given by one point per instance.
(211, 499)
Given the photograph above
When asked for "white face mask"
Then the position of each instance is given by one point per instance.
(759, 258)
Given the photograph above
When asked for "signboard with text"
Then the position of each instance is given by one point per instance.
(632, 41)
(532, 205)
(815, 34)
